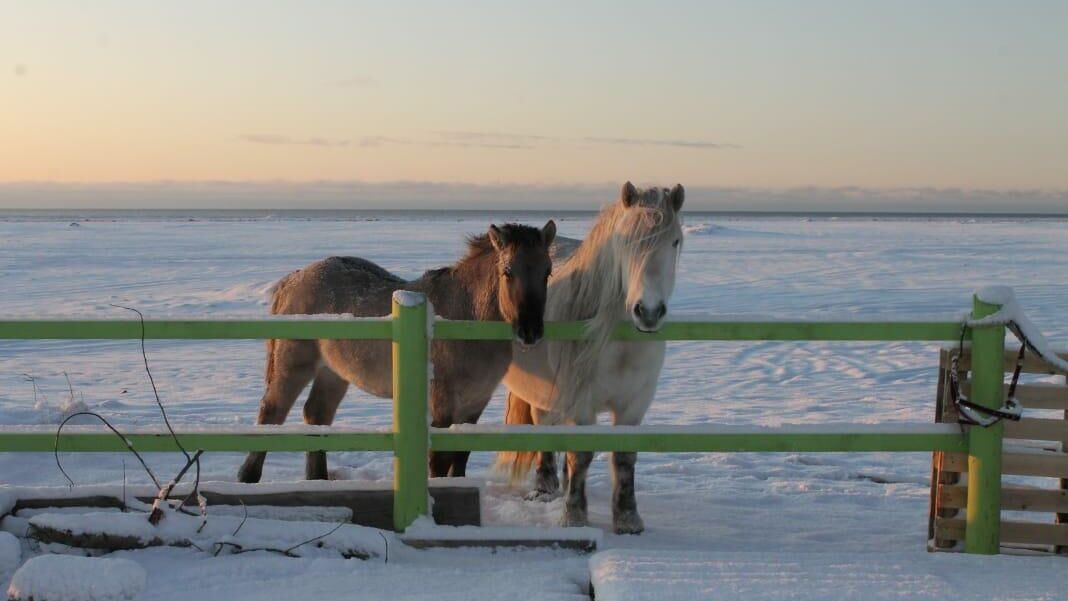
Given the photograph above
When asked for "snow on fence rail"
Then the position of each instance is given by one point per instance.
(411, 438)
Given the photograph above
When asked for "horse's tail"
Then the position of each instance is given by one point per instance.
(518, 463)
(276, 308)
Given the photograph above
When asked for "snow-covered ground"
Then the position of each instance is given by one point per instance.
(724, 506)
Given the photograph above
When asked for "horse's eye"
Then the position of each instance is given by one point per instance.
(508, 272)
(676, 244)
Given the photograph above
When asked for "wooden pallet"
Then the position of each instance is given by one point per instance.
(1035, 447)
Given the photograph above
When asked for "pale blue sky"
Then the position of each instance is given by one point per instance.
(755, 95)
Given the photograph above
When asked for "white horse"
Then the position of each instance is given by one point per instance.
(625, 269)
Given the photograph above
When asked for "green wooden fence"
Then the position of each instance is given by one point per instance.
(411, 329)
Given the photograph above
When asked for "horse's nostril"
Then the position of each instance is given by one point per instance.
(638, 309)
(661, 311)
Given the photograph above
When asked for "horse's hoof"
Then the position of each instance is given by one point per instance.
(628, 523)
(574, 519)
(548, 484)
(249, 476)
(542, 496)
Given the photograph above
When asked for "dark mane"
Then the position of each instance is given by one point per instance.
(515, 234)
(479, 246)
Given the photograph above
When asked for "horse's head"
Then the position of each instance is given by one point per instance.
(523, 268)
(649, 233)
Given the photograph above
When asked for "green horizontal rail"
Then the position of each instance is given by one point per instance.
(106, 442)
(655, 440)
(410, 439)
(547, 438)
(311, 328)
(721, 330)
(193, 329)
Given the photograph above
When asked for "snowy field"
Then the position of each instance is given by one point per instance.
(740, 514)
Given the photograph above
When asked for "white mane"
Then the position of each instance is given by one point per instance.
(591, 285)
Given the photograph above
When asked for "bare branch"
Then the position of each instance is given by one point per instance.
(125, 441)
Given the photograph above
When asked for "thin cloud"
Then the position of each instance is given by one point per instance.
(476, 139)
(280, 140)
(498, 145)
(675, 143)
(494, 139)
(445, 141)
(490, 137)
(375, 141)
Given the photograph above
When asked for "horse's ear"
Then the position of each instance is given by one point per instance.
(496, 238)
(548, 233)
(677, 195)
(628, 195)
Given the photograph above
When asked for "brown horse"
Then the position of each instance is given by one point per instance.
(502, 277)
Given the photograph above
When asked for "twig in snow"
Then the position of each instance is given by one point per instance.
(70, 387)
(313, 539)
(126, 441)
(165, 492)
(33, 382)
(202, 503)
(152, 381)
(243, 519)
(288, 552)
(196, 491)
(385, 543)
(190, 459)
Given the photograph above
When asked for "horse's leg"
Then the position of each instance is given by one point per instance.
(291, 364)
(546, 480)
(458, 465)
(326, 393)
(578, 463)
(441, 404)
(575, 501)
(458, 468)
(440, 462)
(625, 518)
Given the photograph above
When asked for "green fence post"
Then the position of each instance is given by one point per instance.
(984, 444)
(411, 350)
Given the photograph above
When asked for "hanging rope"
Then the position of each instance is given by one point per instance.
(974, 414)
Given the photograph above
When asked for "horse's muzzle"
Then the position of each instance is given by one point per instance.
(529, 336)
(646, 319)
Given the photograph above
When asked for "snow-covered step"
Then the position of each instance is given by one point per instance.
(689, 575)
(369, 503)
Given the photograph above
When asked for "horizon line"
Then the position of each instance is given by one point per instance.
(769, 212)
(428, 195)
